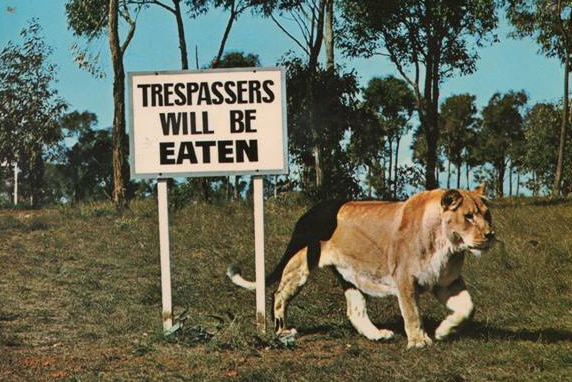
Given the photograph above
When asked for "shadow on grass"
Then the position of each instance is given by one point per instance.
(479, 330)
(486, 332)
(472, 329)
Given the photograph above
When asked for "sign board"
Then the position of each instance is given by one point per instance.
(208, 123)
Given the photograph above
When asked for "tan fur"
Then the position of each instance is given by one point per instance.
(402, 249)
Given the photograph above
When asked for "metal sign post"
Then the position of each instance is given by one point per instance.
(165, 254)
(259, 253)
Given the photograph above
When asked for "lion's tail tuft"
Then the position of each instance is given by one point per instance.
(233, 273)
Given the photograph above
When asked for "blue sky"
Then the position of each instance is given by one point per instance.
(508, 65)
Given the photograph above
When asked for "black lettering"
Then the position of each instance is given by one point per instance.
(218, 98)
(145, 96)
(156, 95)
(249, 148)
(206, 123)
(231, 95)
(166, 152)
(192, 88)
(267, 86)
(250, 116)
(182, 99)
(186, 151)
(236, 121)
(254, 94)
(168, 89)
(206, 146)
(204, 94)
(172, 122)
(225, 152)
(242, 89)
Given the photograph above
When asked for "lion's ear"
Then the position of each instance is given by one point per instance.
(451, 199)
(480, 189)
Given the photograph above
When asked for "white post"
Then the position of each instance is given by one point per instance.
(163, 211)
(259, 253)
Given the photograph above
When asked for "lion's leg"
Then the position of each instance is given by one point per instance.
(456, 298)
(294, 276)
(408, 296)
(357, 313)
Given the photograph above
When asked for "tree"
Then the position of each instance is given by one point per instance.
(549, 22)
(174, 9)
(235, 9)
(312, 18)
(331, 119)
(539, 135)
(29, 106)
(392, 102)
(427, 41)
(457, 123)
(501, 129)
(91, 19)
(87, 163)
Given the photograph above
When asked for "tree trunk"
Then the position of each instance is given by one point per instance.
(448, 174)
(500, 180)
(229, 24)
(329, 34)
(431, 104)
(181, 34)
(119, 136)
(556, 187)
(395, 167)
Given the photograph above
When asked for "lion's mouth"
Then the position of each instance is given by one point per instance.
(484, 246)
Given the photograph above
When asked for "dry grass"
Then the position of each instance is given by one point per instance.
(80, 300)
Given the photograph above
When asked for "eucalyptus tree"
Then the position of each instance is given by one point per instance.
(458, 121)
(549, 22)
(85, 165)
(29, 105)
(427, 41)
(392, 102)
(501, 130)
(92, 19)
(235, 9)
(540, 134)
(309, 24)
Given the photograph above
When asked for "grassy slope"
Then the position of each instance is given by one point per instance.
(80, 299)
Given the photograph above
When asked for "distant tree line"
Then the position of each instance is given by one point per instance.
(344, 140)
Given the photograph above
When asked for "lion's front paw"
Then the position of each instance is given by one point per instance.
(385, 334)
(419, 341)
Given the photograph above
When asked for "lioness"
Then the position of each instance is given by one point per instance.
(387, 248)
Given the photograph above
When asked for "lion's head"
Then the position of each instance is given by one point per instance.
(466, 220)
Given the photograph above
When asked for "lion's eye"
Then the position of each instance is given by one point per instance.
(469, 216)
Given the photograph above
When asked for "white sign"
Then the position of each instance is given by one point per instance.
(207, 123)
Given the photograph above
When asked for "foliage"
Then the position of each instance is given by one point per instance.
(434, 39)
(458, 126)
(501, 131)
(29, 105)
(321, 110)
(388, 106)
(540, 132)
(550, 23)
(547, 21)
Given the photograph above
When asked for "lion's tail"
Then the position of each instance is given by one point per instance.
(233, 273)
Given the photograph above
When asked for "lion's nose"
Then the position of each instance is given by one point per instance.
(490, 235)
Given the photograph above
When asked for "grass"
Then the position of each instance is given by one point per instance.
(80, 300)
